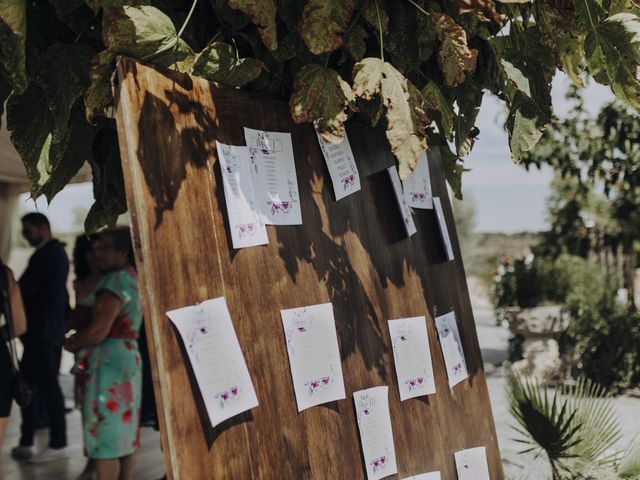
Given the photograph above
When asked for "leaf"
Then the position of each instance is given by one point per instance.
(5, 91)
(612, 52)
(13, 33)
(485, 10)
(451, 164)
(30, 124)
(370, 15)
(63, 76)
(571, 55)
(219, 62)
(263, 15)
(402, 41)
(68, 155)
(524, 134)
(99, 95)
(404, 106)
(468, 98)
(323, 22)
(146, 33)
(455, 57)
(321, 95)
(108, 182)
(630, 463)
(355, 42)
(438, 104)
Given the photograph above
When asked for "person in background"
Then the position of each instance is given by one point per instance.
(88, 275)
(46, 302)
(108, 363)
(18, 326)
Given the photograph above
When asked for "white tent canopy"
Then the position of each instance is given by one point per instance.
(13, 182)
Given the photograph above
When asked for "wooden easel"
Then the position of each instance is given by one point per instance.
(352, 253)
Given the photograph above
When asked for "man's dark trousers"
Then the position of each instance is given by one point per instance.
(40, 368)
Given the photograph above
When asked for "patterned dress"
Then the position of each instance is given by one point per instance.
(109, 375)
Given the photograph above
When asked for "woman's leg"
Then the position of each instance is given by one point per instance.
(107, 469)
(126, 466)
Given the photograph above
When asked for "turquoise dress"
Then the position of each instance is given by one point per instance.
(109, 375)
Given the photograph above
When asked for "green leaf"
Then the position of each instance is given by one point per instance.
(455, 57)
(219, 62)
(401, 41)
(440, 106)
(630, 463)
(524, 134)
(263, 15)
(404, 105)
(485, 10)
(68, 155)
(99, 96)
(451, 164)
(612, 52)
(146, 33)
(468, 98)
(321, 95)
(5, 91)
(108, 181)
(323, 22)
(63, 76)
(355, 41)
(30, 124)
(13, 34)
(571, 55)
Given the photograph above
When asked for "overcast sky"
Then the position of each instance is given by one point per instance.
(507, 197)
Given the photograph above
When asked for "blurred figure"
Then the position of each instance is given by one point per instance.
(108, 365)
(46, 302)
(13, 323)
(88, 275)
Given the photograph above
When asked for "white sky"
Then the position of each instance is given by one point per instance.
(507, 197)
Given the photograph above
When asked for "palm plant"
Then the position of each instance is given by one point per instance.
(575, 427)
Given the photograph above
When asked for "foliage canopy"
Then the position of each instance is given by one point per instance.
(416, 67)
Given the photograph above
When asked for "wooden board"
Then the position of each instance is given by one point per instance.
(352, 253)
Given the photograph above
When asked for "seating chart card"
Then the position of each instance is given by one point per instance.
(412, 357)
(451, 348)
(342, 166)
(245, 224)
(407, 219)
(471, 464)
(442, 225)
(376, 436)
(216, 358)
(314, 356)
(417, 186)
(274, 174)
(426, 476)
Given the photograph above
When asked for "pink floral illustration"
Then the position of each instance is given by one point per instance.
(246, 229)
(225, 396)
(348, 181)
(317, 383)
(418, 196)
(379, 463)
(415, 383)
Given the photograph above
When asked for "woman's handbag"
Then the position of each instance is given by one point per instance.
(20, 389)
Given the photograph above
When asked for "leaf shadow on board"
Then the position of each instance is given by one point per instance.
(210, 432)
(161, 142)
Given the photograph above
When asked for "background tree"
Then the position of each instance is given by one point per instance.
(416, 68)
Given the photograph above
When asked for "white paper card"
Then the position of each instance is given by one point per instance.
(274, 174)
(451, 348)
(245, 224)
(442, 225)
(412, 357)
(426, 476)
(417, 186)
(314, 356)
(407, 219)
(342, 166)
(376, 436)
(216, 358)
(472, 464)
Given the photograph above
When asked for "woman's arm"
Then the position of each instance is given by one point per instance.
(103, 314)
(17, 308)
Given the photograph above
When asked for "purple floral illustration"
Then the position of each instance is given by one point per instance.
(280, 207)
(246, 229)
(348, 181)
(418, 196)
(415, 383)
(225, 396)
(379, 463)
(317, 383)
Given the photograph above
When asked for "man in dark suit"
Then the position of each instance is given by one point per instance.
(46, 301)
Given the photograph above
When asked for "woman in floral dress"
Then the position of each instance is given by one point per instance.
(108, 364)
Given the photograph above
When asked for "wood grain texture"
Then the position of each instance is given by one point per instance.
(352, 253)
